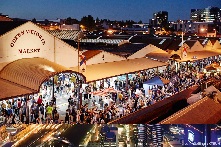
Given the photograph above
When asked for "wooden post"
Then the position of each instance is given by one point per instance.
(52, 87)
(27, 110)
(80, 93)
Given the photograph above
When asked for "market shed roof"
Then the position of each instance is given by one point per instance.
(193, 113)
(106, 70)
(25, 76)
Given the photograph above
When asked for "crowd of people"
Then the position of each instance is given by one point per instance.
(28, 111)
(128, 98)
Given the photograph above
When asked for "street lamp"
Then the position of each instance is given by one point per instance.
(202, 30)
(78, 52)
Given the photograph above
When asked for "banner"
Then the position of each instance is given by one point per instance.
(184, 51)
(82, 63)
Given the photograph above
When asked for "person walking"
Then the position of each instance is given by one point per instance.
(42, 111)
(67, 119)
(49, 110)
(39, 101)
(56, 117)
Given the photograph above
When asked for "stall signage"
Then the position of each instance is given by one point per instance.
(24, 32)
(37, 50)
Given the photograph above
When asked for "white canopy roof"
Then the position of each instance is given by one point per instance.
(105, 70)
(198, 54)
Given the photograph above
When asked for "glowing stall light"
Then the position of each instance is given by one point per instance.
(110, 31)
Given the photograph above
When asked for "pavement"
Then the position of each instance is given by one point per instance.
(62, 101)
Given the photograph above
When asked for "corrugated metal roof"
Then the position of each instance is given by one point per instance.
(65, 34)
(9, 90)
(205, 111)
(25, 76)
(107, 41)
(105, 70)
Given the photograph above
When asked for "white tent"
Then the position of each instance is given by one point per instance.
(154, 81)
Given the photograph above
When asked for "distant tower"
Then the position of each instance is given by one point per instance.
(154, 135)
(142, 133)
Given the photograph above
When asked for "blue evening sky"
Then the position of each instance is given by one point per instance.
(111, 9)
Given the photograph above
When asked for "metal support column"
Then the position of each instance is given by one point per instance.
(52, 87)
(126, 82)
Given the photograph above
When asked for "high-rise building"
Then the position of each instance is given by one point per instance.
(209, 14)
(141, 134)
(153, 135)
(160, 19)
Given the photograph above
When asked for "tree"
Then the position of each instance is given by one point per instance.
(97, 20)
(46, 22)
(129, 23)
(71, 21)
(88, 22)
(140, 22)
(33, 20)
(168, 29)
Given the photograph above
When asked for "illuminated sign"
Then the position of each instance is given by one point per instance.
(190, 136)
(33, 32)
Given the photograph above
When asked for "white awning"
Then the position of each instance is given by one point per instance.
(106, 70)
(198, 55)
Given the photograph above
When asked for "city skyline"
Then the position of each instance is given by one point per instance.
(112, 10)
